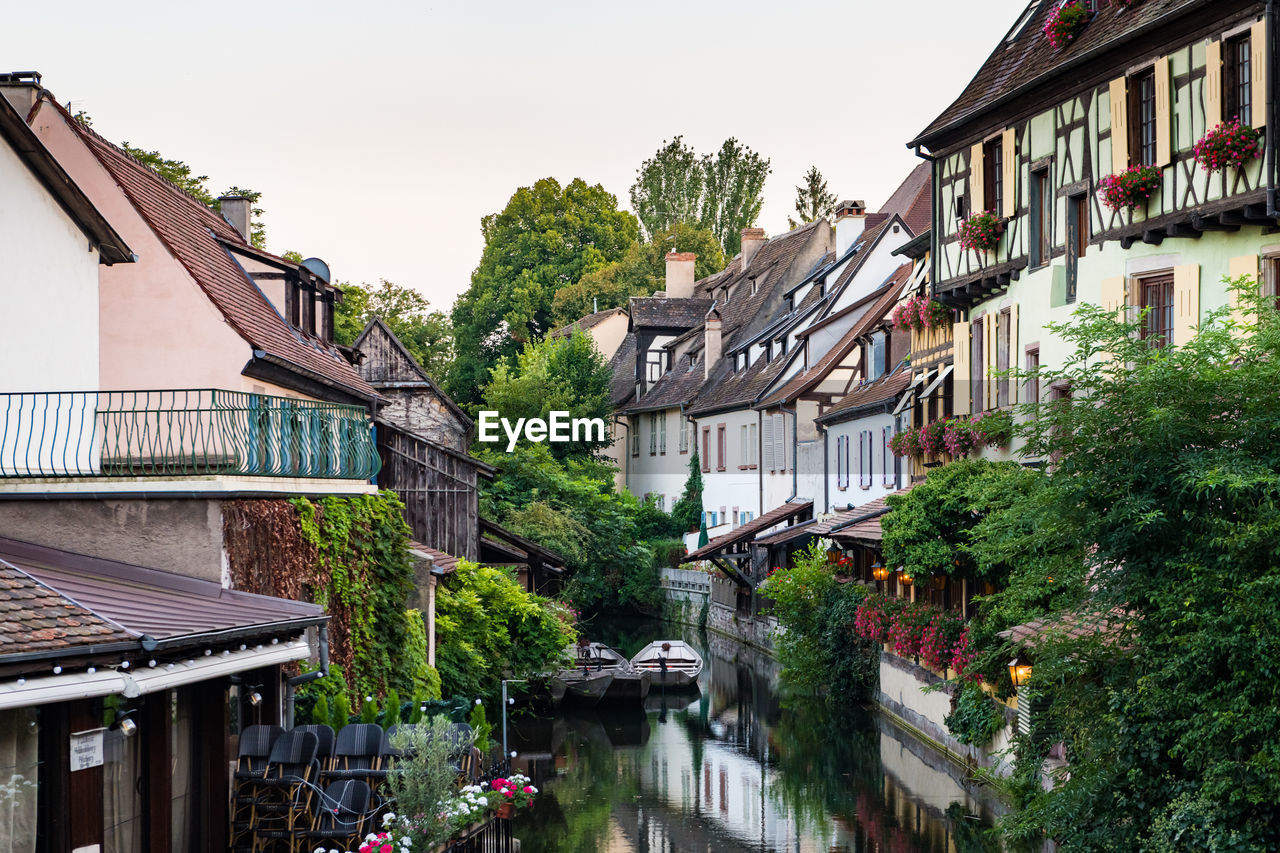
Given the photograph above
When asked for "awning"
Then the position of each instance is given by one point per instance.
(933, 386)
(788, 534)
(747, 531)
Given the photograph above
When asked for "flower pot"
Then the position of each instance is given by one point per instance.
(506, 810)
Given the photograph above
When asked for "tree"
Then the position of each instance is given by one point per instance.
(640, 272)
(721, 192)
(180, 175)
(546, 237)
(555, 374)
(687, 511)
(1168, 469)
(813, 200)
(425, 333)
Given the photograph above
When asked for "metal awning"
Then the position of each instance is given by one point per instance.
(933, 386)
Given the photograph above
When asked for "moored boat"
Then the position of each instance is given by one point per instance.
(672, 663)
(629, 685)
(585, 687)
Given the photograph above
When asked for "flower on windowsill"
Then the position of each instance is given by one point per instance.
(1065, 23)
(981, 232)
(1228, 144)
(1130, 188)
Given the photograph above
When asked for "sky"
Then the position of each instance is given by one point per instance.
(380, 132)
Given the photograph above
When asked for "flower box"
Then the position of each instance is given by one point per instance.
(1130, 188)
(1065, 23)
(981, 232)
(920, 312)
(1228, 144)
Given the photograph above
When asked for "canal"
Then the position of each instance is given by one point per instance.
(735, 766)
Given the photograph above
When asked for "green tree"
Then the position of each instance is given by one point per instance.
(547, 237)
(427, 334)
(640, 272)
(813, 200)
(1168, 467)
(687, 511)
(721, 192)
(555, 374)
(181, 176)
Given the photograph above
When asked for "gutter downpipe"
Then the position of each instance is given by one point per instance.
(933, 213)
(1272, 208)
(760, 457)
(307, 677)
(826, 470)
(795, 450)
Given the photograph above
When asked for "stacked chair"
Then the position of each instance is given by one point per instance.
(251, 765)
(281, 798)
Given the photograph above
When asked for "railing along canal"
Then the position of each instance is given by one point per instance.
(182, 432)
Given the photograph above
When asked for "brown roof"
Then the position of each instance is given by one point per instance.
(1066, 626)
(912, 200)
(886, 388)
(507, 539)
(1024, 60)
(588, 322)
(786, 534)
(446, 563)
(885, 298)
(746, 531)
(170, 608)
(862, 522)
(66, 192)
(622, 387)
(35, 618)
(198, 238)
(656, 312)
(674, 388)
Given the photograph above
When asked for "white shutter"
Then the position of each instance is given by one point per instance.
(769, 464)
(1119, 90)
(1258, 67)
(780, 442)
(1213, 85)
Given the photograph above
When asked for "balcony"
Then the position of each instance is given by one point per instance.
(181, 434)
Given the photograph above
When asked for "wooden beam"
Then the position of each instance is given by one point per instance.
(1183, 229)
(1211, 223)
(1153, 236)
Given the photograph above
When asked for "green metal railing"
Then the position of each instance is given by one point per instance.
(182, 432)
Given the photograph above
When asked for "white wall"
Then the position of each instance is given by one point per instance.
(734, 486)
(660, 473)
(854, 494)
(878, 267)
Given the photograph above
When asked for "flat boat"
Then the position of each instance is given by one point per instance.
(672, 663)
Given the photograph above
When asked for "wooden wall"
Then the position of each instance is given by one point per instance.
(439, 490)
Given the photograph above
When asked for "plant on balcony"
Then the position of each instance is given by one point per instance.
(981, 231)
(994, 428)
(1130, 188)
(1228, 144)
(1065, 23)
(905, 443)
(875, 616)
(933, 437)
(920, 312)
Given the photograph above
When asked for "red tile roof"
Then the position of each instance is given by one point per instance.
(887, 387)
(862, 523)
(36, 618)
(742, 533)
(195, 236)
(446, 563)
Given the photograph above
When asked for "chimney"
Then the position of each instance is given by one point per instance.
(237, 209)
(21, 89)
(752, 240)
(711, 342)
(851, 219)
(680, 274)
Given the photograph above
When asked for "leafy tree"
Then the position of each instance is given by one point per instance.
(555, 374)
(640, 272)
(687, 511)
(813, 200)
(1168, 468)
(425, 333)
(721, 192)
(180, 175)
(547, 237)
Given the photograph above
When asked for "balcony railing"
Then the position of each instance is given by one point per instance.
(182, 432)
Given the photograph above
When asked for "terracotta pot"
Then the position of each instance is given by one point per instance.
(506, 810)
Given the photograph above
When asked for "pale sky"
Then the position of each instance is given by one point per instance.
(381, 132)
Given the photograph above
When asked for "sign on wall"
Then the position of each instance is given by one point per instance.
(86, 749)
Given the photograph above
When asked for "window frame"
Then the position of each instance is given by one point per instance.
(993, 175)
(722, 446)
(706, 450)
(1077, 240)
(1004, 340)
(1041, 217)
(635, 436)
(977, 363)
(1237, 78)
(653, 433)
(1031, 363)
(1161, 309)
(1143, 117)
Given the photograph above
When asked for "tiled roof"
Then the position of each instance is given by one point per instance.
(195, 235)
(446, 563)
(1068, 626)
(173, 609)
(885, 297)
(588, 322)
(886, 388)
(36, 618)
(1024, 59)
(656, 312)
(862, 522)
(727, 389)
(742, 533)
(912, 200)
(623, 367)
(674, 388)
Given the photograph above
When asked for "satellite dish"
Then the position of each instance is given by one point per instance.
(318, 268)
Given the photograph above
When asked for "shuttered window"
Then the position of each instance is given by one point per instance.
(635, 436)
(662, 433)
(887, 456)
(1142, 118)
(1157, 298)
(721, 441)
(706, 448)
(769, 462)
(1041, 218)
(1237, 80)
(842, 462)
(684, 435)
(653, 433)
(978, 366)
(780, 442)
(993, 176)
(865, 459)
(1002, 357)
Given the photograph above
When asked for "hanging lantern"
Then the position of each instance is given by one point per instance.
(904, 578)
(1020, 670)
(879, 571)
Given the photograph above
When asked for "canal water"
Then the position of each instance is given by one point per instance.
(735, 766)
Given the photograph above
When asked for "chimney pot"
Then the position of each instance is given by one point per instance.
(680, 274)
(851, 221)
(752, 240)
(21, 89)
(237, 210)
(711, 342)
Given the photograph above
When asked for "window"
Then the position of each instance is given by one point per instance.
(780, 443)
(1003, 321)
(1270, 284)
(1077, 240)
(977, 365)
(993, 175)
(753, 445)
(662, 433)
(736, 518)
(876, 350)
(706, 448)
(744, 452)
(1142, 118)
(866, 462)
(662, 502)
(721, 442)
(653, 433)
(1041, 218)
(842, 462)
(684, 435)
(1157, 301)
(886, 456)
(1033, 381)
(635, 436)
(1237, 80)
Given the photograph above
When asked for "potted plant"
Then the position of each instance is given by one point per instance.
(905, 443)
(1130, 188)
(513, 792)
(981, 231)
(1065, 23)
(1228, 144)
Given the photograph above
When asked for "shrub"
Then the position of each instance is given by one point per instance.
(1065, 23)
(939, 639)
(974, 718)
(1228, 144)
(981, 232)
(320, 713)
(341, 714)
(1130, 188)
(907, 627)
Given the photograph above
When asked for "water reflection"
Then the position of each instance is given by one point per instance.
(735, 767)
